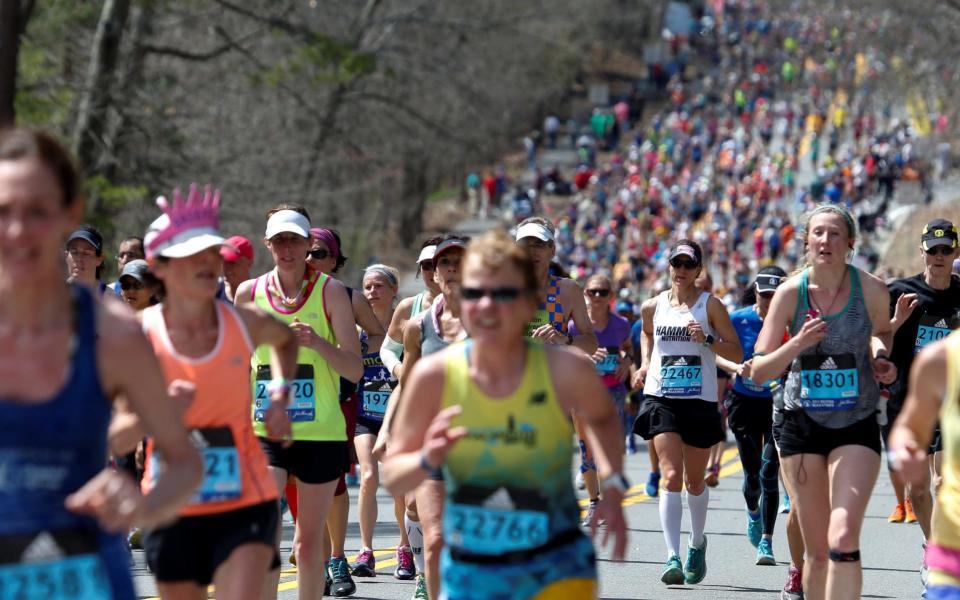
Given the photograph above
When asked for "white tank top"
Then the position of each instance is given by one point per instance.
(679, 367)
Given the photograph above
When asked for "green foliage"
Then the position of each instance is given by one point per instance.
(110, 200)
(323, 61)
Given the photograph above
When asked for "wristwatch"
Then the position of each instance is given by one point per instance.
(708, 341)
(615, 481)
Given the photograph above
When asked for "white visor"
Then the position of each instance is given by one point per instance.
(534, 230)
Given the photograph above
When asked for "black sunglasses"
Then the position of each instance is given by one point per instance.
(497, 294)
(319, 254)
(426, 265)
(941, 250)
(599, 292)
(131, 285)
(682, 263)
(767, 295)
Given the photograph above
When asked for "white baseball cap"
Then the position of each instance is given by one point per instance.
(535, 230)
(426, 253)
(288, 221)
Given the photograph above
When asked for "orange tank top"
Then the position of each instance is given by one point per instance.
(235, 469)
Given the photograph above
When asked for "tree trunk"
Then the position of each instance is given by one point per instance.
(91, 126)
(9, 48)
(412, 197)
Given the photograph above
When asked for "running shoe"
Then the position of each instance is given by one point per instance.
(673, 572)
(327, 582)
(341, 584)
(765, 553)
(405, 570)
(898, 515)
(365, 565)
(785, 505)
(908, 515)
(696, 568)
(588, 517)
(713, 475)
(135, 539)
(754, 528)
(420, 592)
(793, 589)
(631, 444)
(580, 483)
(653, 484)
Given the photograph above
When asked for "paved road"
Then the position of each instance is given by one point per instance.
(891, 552)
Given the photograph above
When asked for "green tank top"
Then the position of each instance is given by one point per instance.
(508, 481)
(315, 397)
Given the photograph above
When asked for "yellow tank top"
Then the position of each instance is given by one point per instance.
(946, 521)
(315, 397)
(508, 481)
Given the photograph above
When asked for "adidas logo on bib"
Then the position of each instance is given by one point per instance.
(500, 499)
(942, 324)
(829, 363)
(42, 548)
(681, 362)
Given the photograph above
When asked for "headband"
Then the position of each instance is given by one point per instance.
(830, 208)
(382, 270)
(326, 236)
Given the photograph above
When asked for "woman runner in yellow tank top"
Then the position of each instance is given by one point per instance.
(491, 410)
(934, 392)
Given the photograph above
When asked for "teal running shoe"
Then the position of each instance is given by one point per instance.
(765, 553)
(785, 505)
(696, 568)
(754, 528)
(673, 572)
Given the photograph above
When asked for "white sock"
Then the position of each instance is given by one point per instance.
(415, 535)
(698, 515)
(671, 513)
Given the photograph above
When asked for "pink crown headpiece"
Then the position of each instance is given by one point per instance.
(194, 213)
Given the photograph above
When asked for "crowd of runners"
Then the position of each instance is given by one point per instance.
(184, 408)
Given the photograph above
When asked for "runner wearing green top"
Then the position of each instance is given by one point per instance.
(317, 308)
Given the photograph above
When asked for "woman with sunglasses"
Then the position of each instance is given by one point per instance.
(66, 357)
(225, 535)
(138, 286)
(750, 414)
(839, 325)
(491, 410)
(684, 330)
(926, 308)
(435, 329)
(317, 308)
(613, 366)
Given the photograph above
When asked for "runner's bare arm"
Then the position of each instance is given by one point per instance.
(139, 380)
(392, 346)
(772, 356)
(572, 296)
(411, 345)
(647, 310)
(364, 317)
(244, 292)
(426, 435)
(728, 343)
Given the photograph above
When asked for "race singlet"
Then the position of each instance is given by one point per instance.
(682, 376)
(377, 387)
(933, 329)
(610, 362)
(496, 521)
(303, 394)
(52, 564)
(828, 382)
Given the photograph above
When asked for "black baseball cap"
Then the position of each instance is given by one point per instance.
(446, 245)
(769, 278)
(91, 237)
(939, 232)
(685, 248)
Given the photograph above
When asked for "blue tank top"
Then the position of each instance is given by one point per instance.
(748, 324)
(49, 450)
